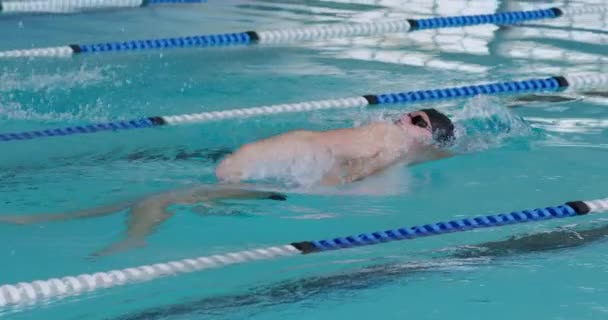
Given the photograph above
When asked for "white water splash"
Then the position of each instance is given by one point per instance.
(303, 166)
(485, 123)
(15, 111)
(570, 125)
(57, 80)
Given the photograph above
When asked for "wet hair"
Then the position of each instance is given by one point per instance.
(443, 128)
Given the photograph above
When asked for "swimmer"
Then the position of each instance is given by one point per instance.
(343, 155)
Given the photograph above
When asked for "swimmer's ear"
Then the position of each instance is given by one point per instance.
(277, 197)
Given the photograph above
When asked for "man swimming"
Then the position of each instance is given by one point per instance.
(343, 155)
(333, 157)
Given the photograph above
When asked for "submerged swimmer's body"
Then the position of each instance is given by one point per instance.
(147, 213)
(333, 157)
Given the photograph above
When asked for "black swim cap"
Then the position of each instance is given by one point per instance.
(443, 128)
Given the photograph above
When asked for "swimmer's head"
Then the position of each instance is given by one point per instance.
(428, 123)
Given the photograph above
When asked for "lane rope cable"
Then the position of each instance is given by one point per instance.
(550, 84)
(69, 6)
(322, 32)
(29, 292)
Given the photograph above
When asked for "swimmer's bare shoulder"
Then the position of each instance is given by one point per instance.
(230, 169)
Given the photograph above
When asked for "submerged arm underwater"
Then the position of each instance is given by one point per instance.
(146, 214)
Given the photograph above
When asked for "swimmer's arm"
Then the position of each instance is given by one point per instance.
(356, 169)
(207, 197)
(231, 169)
(434, 154)
(51, 217)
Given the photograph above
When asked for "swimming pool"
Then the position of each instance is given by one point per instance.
(556, 154)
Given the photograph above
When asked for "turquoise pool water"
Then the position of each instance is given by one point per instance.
(552, 153)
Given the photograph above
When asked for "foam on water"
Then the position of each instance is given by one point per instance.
(10, 110)
(13, 83)
(305, 167)
(14, 80)
(485, 123)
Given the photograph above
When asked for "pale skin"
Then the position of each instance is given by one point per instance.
(351, 154)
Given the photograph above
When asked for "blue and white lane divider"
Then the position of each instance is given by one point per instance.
(68, 6)
(30, 292)
(304, 34)
(551, 84)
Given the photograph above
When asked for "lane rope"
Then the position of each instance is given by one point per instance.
(550, 84)
(323, 32)
(70, 6)
(34, 291)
